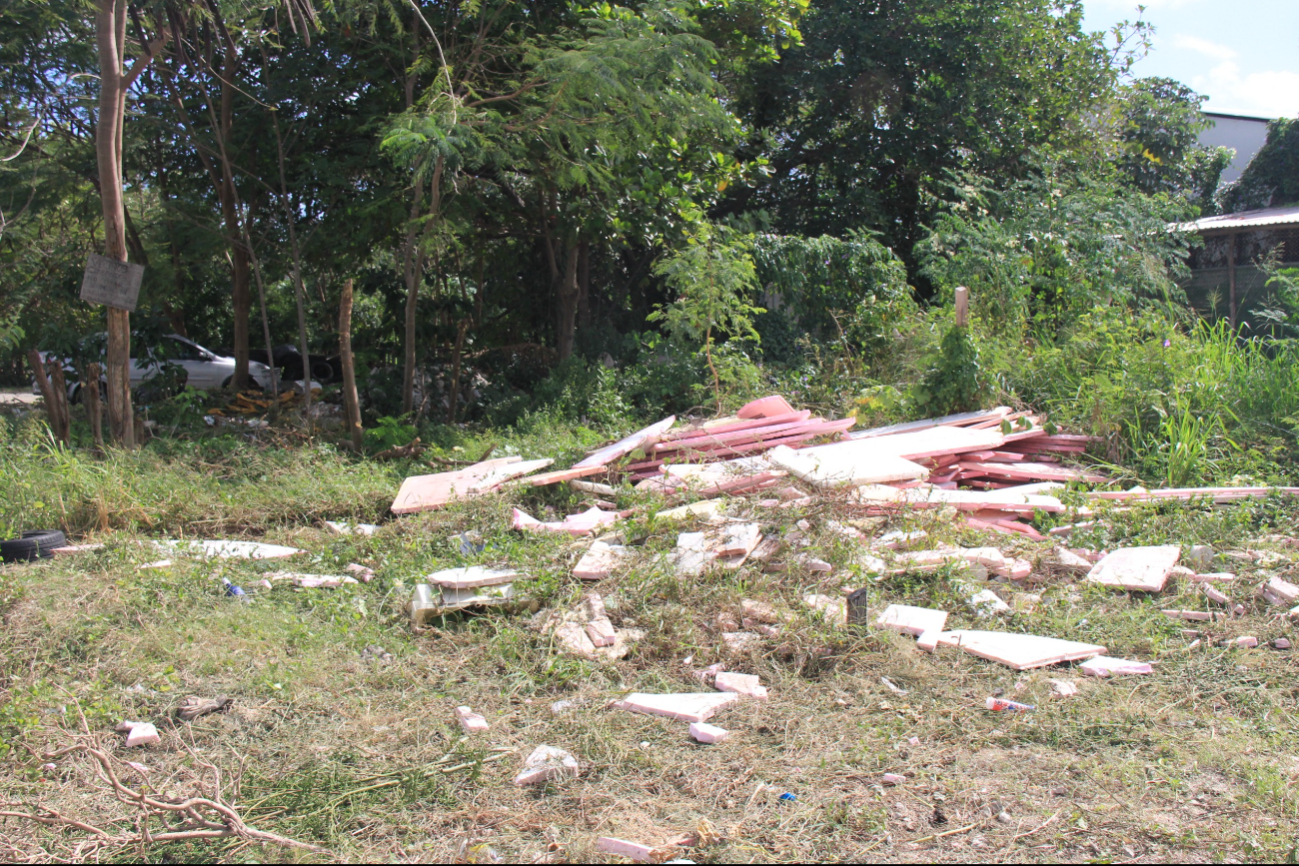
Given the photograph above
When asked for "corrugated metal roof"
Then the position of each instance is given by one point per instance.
(1249, 219)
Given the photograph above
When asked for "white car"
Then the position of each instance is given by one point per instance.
(204, 369)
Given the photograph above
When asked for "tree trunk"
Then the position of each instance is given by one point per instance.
(299, 291)
(566, 305)
(90, 396)
(456, 356)
(350, 402)
(110, 36)
(414, 274)
(240, 291)
(583, 285)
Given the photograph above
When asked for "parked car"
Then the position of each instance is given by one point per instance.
(201, 368)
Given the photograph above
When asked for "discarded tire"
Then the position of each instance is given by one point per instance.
(32, 545)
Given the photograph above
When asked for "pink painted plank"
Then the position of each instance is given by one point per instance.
(1029, 472)
(707, 439)
(623, 447)
(426, 492)
(698, 430)
(561, 475)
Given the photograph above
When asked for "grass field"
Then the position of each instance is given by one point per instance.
(328, 743)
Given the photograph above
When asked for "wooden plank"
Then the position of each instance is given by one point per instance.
(711, 440)
(1028, 472)
(730, 425)
(561, 475)
(936, 442)
(959, 420)
(623, 447)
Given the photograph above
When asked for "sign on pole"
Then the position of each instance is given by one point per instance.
(112, 283)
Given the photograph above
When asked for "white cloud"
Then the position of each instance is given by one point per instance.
(1268, 93)
(1203, 46)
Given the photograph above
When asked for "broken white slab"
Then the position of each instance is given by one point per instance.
(1284, 590)
(743, 641)
(227, 549)
(692, 555)
(844, 464)
(746, 685)
(312, 581)
(739, 539)
(139, 734)
(477, 596)
(928, 640)
(690, 707)
(708, 509)
(1214, 577)
(471, 577)
(1063, 688)
(1070, 561)
(598, 627)
(547, 764)
(912, 620)
(892, 779)
(575, 524)
(706, 733)
(471, 722)
(1139, 569)
(1189, 615)
(898, 540)
(759, 611)
(1105, 666)
(151, 566)
(600, 561)
(631, 850)
(832, 610)
(987, 603)
(340, 528)
(573, 638)
(1019, 651)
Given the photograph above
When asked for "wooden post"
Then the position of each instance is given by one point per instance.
(1231, 279)
(59, 390)
(350, 402)
(47, 390)
(962, 306)
(90, 395)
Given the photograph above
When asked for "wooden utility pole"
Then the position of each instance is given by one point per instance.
(90, 395)
(350, 402)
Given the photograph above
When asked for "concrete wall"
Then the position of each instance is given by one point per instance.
(1245, 135)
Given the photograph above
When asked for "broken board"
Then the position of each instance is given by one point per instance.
(912, 620)
(693, 707)
(1019, 651)
(473, 576)
(638, 440)
(426, 492)
(827, 467)
(1140, 569)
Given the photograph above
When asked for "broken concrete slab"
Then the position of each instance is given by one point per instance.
(631, 850)
(765, 407)
(1285, 591)
(987, 603)
(139, 734)
(471, 577)
(574, 639)
(339, 528)
(1069, 561)
(312, 581)
(738, 539)
(1019, 651)
(547, 764)
(1189, 615)
(575, 524)
(598, 626)
(746, 685)
(689, 707)
(1063, 688)
(912, 620)
(706, 733)
(740, 642)
(844, 464)
(600, 561)
(833, 610)
(227, 549)
(1105, 666)
(706, 509)
(1139, 569)
(471, 722)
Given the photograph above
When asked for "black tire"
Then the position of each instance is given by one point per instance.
(227, 382)
(32, 545)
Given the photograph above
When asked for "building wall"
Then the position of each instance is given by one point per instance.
(1245, 135)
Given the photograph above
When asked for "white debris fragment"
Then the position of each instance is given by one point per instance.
(547, 764)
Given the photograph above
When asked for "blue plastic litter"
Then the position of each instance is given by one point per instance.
(789, 798)
(234, 590)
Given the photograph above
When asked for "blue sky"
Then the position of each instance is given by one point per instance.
(1242, 54)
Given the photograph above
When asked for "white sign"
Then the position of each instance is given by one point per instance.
(112, 283)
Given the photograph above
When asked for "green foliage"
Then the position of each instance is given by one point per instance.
(955, 383)
(389, 432)
(826, 290)
(1159, 150)
(1050, 248)
(713, 278)
(1272, 177)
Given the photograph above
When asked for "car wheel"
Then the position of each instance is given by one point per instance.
(32, 545)
(226, 383)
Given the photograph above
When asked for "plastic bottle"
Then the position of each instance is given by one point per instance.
(998, 705)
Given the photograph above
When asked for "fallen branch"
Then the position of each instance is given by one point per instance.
(199, 817)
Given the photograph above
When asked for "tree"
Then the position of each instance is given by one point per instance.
(1272, 177)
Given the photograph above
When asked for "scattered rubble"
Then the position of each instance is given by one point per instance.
(471, 722)
(706, 733)
(547, 764)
